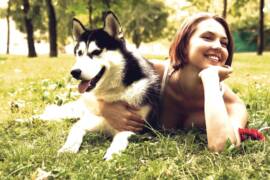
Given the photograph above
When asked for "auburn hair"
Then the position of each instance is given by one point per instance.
(178, 48)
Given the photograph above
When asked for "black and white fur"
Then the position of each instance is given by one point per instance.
(108, 71)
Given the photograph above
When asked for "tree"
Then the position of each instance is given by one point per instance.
(29, 29)
(260, 40)
(224, 13)
(8, 27)
(65, 13)
(5, 13)
(200, 5)
(90, 10)
(52, 26)
(143, 20)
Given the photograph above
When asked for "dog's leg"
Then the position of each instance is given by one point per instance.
(70, 110)
(119, 143)
(77, 132)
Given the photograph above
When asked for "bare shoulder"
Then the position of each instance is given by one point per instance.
(158, 65)
(230, 96)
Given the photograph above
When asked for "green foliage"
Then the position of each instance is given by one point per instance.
(2, 12)
(143, 21)
(64, 20)
(244, 41)
(202, 5)
(243, 17)
(146, 19)
(244, 14)
(27, 145)
(237, 7)
(35, 14)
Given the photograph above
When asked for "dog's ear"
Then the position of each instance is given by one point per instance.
(112, 25)
(77, 29)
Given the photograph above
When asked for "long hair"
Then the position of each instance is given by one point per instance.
(178, 48)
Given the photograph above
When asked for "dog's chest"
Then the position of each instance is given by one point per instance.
(92, 105)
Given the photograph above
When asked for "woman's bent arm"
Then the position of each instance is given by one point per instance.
(219, 117)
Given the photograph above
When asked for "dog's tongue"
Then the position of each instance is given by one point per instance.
(83, 86)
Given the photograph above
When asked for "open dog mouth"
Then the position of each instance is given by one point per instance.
(88, 85)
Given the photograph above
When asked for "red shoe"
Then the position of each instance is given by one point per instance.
(252, 134)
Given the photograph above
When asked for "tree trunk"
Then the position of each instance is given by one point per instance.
(260, 40)
(8, 27)
(136, 39)
(107, 3)
(90, 11)
(224, 13)
(52, 28)
(29, 30)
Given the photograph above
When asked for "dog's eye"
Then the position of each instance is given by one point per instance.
(96, 52)
(80, 53)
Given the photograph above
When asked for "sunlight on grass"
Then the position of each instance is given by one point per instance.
(28, 85)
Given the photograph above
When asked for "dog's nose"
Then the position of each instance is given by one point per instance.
(76, 73)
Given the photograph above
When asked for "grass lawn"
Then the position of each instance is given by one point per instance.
(28, 85)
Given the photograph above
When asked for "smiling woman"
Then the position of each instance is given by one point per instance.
(193, 94)
(208, 45)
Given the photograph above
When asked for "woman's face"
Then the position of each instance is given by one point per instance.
(208, 45)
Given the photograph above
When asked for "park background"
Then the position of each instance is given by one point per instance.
(36, 54)
(45, 26)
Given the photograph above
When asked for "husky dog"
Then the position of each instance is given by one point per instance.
(107, 70)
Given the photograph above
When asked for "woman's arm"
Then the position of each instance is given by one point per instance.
(222, 118)
(237, 111)
(121, 116)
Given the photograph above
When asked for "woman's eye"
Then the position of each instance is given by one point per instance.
(225, 44)
(208, 38)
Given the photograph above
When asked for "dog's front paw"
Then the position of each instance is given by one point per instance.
(51, 113)
(110, 154)
(68, 149)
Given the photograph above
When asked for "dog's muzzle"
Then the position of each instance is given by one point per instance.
(76, 73)
(87, 85)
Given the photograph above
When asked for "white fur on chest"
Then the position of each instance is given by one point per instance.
(90, 103)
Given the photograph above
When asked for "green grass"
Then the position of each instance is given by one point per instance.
(28, 85)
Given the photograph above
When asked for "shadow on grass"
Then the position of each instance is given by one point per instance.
(3, 58)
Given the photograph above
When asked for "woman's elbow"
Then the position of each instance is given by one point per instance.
(216, 147)
(220, 145)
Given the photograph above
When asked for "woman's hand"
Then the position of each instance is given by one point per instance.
(223, 72)
(121, 116)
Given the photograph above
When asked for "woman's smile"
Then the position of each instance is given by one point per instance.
(213, 57)
(208, 45)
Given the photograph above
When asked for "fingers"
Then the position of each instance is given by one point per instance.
(131, 128)
(225, 69)
(122, 116)
(223, 72)
(131, 121)
(135, 121)
(227, 66)
(131, 125)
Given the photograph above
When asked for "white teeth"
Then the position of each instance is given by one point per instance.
(213, 58)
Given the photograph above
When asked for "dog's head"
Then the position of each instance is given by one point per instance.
(93, 49)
